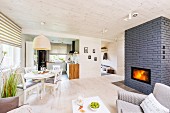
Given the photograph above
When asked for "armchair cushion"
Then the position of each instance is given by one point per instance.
(131, 97)
(7, 104)
(126, 107)
(151, 105)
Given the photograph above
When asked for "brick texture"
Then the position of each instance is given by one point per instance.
(148, 46)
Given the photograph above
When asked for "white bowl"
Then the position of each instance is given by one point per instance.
(93, 108)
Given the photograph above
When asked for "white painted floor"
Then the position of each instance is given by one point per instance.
(70, 89)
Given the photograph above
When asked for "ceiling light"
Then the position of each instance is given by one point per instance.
(41, 43)
(130, 15)
(105, 30)
(126, 19)
(134, 14)
(42, 23)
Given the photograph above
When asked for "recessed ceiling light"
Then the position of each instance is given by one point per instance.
(135, 14)
(125, 19)
(105, 30)
(42, 23)
(130, 15)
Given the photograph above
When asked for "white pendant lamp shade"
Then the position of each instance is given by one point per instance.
(41, 43)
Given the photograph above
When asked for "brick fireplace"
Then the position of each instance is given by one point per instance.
(147, 54)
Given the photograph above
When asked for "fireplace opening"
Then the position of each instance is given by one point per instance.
(141, 74)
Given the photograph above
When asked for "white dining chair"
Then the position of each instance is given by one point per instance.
(54, 83)
(27, 86)
(56, 67)
(29, 69)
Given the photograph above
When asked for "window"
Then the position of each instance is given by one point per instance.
(57, 58)
(13, 57)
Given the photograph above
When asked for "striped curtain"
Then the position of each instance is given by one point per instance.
(10, 33)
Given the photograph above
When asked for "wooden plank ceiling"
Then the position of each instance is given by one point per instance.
(83, 17)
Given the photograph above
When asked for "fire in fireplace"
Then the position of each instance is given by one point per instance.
(141, 74)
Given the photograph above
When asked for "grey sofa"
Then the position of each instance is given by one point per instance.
(129, 102)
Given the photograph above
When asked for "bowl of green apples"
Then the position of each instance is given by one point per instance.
(94, 106)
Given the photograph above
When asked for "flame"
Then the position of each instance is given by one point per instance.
(141, 75)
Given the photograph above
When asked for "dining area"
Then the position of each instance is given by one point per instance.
(40, 82)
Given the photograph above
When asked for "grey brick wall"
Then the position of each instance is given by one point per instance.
(145, 46)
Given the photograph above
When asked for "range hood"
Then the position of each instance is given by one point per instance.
(72, 47)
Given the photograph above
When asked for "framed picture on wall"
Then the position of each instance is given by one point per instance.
(94, 51)
(85, 49)
(89, 57)
(95, 58)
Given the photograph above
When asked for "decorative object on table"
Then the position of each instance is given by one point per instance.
(89, 57)
(85, 49)
(41, 43)
(9, 88)
(42, 72)
(80, 100)
(95, 58)
(94, 51)
(94, 106)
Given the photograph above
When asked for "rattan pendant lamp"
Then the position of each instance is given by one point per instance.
(41, 43)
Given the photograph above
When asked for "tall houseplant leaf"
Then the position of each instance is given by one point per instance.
(10, 86)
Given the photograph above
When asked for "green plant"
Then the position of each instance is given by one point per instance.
(62, 59)
(9, 88)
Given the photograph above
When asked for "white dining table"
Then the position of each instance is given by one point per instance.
(40, 77)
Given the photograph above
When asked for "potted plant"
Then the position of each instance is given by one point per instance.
(9, 88)
(9, 83)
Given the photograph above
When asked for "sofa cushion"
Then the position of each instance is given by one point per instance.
(162, 94)
(123, 107)
(7, 104)
(151, 105)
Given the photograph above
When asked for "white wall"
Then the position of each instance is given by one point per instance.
(29, 54)
(89, 67)
(121, 55)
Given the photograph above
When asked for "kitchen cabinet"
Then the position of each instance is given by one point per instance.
(73, 71)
